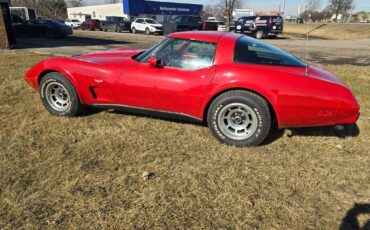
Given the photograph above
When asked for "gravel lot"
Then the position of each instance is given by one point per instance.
(320, 51)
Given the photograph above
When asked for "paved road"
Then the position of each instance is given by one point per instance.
(320, 51)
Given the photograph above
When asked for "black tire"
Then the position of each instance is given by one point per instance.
(73, 106)
(258, 115)
(118, 29)
(133, 30)
(147, 31)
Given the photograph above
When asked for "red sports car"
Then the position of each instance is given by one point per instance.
(234, 83)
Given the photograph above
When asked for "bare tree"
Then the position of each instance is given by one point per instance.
(53, 8)
(213, 11)
(228, 7)
(338, 7)
(75, 3)
(47, 8)
(313, 5)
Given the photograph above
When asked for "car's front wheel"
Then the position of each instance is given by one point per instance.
(59, 96)
(239, 118)
(147, 31)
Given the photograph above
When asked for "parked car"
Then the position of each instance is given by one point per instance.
(117, 24)
(91, 24)
(146, 25)
(183, 23)
(42, 28)
(73, 23)
(222, 27)
(205, 76)
(212, 25)
(260, 26)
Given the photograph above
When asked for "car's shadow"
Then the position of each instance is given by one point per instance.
(324, 131)
(70, 41)
(351, 220)
(275, 132)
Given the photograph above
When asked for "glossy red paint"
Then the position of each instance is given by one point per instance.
(113, 77)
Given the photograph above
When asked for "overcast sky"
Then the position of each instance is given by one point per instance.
(260, 5)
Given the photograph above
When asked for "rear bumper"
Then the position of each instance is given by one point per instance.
(349, 120)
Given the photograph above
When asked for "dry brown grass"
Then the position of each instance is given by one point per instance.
(86, 172)
(335, 31)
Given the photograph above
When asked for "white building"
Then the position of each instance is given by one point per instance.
(159, 10)
(96, 12)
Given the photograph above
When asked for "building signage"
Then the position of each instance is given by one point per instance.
(164, 8)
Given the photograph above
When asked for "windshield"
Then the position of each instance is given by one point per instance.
(151, 21)
(54, 22)
(75, 20)
(143, 56)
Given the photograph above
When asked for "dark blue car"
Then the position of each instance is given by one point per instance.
(42, 28)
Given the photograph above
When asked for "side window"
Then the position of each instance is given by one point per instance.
(188, 55)
(252, 51)
(177, 19)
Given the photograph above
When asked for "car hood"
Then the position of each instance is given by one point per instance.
(158, 25)
(115, 57)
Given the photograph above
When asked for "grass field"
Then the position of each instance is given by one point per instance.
(114, 170)
(335, 31)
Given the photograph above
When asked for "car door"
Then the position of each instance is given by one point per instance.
(137, 24)
(28, 28)
(179, 86)
(141, 24)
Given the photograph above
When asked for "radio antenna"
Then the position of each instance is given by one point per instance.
(307, 39)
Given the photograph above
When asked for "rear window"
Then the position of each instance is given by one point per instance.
(251, 51)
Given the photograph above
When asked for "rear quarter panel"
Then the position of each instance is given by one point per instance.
(297, 100)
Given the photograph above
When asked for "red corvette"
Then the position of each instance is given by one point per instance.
(234, 83)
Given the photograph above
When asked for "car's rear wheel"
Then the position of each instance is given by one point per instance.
(59, 96)
(118, 29)
(133, 30)
(147, 31)
(239, 118)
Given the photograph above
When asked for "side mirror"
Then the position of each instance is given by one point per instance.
(155, 62)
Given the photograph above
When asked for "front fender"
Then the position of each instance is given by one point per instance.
(70, 68)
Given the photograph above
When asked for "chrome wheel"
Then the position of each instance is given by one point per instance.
(237, 121)
(57, 96)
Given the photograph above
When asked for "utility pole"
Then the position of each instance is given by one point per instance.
(352, 8)
(284, 7)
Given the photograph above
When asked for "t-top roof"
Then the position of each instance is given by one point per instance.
(205, 36)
